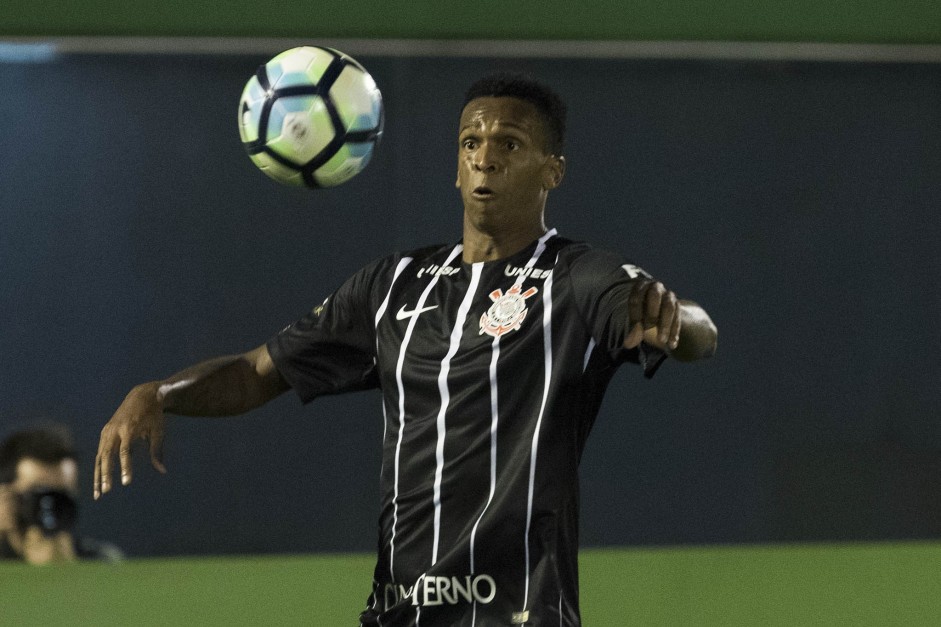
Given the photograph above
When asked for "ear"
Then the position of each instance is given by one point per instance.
(553, 172)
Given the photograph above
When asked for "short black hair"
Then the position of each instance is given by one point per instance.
(525, 87)
(49, 444)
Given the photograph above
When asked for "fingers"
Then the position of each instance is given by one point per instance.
(112, 439)
(97, 484)
(156, 452)
(675, 330)
(652, 307)
(125, 455)
(635, 337)
(667, 316)
(652, 302)
(140, 416)
(104, 458)
(103, 462)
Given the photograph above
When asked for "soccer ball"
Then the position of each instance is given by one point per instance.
(311, 116)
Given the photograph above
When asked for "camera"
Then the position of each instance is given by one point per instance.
(50, 510)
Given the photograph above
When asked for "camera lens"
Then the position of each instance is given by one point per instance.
(50, 510)
(47, 513)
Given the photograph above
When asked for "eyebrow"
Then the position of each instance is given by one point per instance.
(510, 125)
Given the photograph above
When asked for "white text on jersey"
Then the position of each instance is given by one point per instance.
(533, 273)
(430, 591)
(436, 270)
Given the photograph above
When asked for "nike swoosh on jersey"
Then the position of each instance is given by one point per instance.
(403, 314)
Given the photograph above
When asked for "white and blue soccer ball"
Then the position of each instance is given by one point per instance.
(311, 116)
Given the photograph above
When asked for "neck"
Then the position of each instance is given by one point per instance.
(480, 245)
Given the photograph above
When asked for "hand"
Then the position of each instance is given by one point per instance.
(7, 510)
(38, 548)
(140, 416)
(654, 315)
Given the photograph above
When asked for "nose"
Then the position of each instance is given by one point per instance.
(485, 158)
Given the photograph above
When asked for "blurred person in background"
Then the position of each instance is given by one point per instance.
(38, 507)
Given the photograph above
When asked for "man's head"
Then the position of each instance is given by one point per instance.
(38, 484)
(547, 102)
(511, 134)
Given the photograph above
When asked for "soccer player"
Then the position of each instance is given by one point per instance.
(492, 355)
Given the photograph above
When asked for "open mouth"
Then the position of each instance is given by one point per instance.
(482, 193)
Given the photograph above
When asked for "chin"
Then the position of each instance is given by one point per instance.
(486, 219)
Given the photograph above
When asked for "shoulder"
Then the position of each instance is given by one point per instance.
(390, 263)
(368, 286)
(580, 257)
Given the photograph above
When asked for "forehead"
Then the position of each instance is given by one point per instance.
(490, 112)
(32, 473)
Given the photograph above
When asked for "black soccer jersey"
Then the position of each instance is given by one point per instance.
(492, 374)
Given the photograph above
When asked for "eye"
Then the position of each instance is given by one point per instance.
(512, 145)
(469, 144)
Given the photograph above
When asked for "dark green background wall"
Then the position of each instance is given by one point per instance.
(869, 21)
(797, 201)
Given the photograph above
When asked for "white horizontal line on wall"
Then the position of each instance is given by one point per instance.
(30, 47)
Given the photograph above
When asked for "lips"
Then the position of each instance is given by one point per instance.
(482, 192)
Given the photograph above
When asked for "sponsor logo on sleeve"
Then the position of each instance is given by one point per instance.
(319, 308)
(635, 271)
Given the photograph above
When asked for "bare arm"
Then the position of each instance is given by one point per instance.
(680, 327)
(224, 386)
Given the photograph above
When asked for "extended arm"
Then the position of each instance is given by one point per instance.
(224, 386)
(680, 327)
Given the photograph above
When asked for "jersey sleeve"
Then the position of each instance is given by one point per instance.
(332, 349)
(602, 283)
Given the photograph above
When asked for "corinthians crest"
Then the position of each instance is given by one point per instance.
(507, 311)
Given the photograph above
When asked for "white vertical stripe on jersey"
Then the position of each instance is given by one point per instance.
(401, 389)
(591, 347)
(375, 604)
(495, 415)
(547, 348)
(456, 333)
(375, 598)
(404, 261)
(494, 422)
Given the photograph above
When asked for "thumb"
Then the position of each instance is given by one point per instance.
(635, 337)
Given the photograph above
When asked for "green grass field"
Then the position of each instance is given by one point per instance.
(855, 584)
